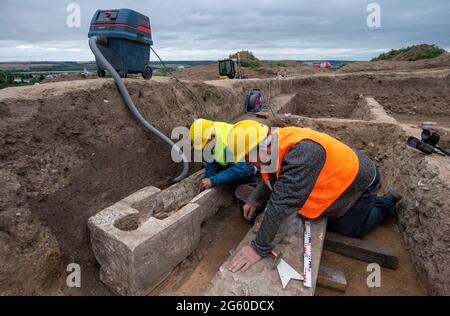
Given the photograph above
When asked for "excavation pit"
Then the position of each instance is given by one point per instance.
(409, 98)
(385, 143)
(61, 165)
(317, 105)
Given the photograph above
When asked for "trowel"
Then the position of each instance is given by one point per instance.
(285, 271)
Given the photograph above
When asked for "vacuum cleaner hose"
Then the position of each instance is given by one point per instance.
(126, 96)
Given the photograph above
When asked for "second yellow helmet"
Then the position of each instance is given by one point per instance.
(245, 136)
(201, 131)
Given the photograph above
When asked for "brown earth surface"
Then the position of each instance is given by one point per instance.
(70, 149)
(192, 277)
(411, 97)
(440, 62)
(265, 70)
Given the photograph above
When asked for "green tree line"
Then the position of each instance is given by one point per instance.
(6, 77)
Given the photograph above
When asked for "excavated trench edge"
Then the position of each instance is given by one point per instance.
(423, 223)
(372, 116)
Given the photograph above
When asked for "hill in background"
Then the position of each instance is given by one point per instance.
(411, 53)
(405, 59)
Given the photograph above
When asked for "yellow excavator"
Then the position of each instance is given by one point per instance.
(230, 68)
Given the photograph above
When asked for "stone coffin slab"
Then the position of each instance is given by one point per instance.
(261, 279)
(140, 254)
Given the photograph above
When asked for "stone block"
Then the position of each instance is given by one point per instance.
(137, 248)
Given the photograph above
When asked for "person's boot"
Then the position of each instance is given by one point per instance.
(394, 195)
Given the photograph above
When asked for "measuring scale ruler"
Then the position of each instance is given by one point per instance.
(307, 256)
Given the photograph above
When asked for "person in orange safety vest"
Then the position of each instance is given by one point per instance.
(305, 175)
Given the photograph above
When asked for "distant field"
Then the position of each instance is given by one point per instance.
(23, 67)
(74, 67)
(71, 66)
(44, 67)
(46, 72)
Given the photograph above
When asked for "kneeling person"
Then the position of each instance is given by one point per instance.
(312, 175)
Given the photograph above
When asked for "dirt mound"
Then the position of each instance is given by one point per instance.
(70, 149)
(244, 55)
(265, 70)
(441, 62)
(411, 52)
(199, 73)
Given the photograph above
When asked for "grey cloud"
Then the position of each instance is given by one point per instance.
(210, 29)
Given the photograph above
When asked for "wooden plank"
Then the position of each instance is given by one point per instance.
(332, 278)
(261, 279)
(361, 250)
(263, 115)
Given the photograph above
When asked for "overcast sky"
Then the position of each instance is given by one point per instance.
(212, 29)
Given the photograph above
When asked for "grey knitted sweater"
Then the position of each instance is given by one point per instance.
(299, 171)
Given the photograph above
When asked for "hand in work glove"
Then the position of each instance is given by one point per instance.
(244, 259)
(206, 183)
(249, 211)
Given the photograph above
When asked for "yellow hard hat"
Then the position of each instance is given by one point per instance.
(201, 131)
(245, 136)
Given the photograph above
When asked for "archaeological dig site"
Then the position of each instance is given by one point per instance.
(173, 148)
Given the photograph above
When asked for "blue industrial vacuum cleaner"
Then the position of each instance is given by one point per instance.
(120, 41)
(124, 38)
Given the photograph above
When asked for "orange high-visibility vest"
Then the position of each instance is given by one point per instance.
(338, 172)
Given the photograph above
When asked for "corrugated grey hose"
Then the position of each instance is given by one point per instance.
(126, 97)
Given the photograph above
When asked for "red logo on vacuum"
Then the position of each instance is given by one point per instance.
(144, 22)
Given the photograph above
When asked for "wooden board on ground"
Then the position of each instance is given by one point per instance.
(332, 278)
(263, 115)
(361, 250)
(260, 279)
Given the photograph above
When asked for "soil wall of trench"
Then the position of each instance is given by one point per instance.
(422, 96)
(70, 149)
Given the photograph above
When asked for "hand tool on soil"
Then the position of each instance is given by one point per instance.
(285, 271)
(120, 41)
(307, 256)
(422, 146)
(432, 139)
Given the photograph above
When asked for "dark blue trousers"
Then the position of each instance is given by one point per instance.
(368, 212)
